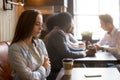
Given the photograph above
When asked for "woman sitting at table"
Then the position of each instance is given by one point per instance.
(72, 42)
(57, 45)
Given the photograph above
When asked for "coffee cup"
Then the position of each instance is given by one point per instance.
(68, 65)
(92, 50)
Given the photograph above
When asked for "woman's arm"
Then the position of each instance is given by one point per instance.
(20, 62)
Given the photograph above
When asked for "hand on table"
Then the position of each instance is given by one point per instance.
(98, 47)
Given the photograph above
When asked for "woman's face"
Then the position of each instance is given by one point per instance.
(70, 27)
(71, 30)
(38, 26)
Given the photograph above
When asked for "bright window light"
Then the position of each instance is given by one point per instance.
(86, 15)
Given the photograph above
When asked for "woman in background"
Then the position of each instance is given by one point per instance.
(72, 42)
(50, 24)
(27, 54)
(57, 44)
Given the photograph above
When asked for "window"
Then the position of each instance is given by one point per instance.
(86, 15)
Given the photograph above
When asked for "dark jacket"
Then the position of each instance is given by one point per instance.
(58, 49)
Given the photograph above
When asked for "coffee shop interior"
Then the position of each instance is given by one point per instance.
(85, 16)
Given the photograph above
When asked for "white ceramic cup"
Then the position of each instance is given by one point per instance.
(68, 65)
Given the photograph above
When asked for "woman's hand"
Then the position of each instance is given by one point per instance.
(46, 63)
(28, 69)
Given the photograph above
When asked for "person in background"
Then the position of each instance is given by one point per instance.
(57, 45)
(111, 37)
(50, 24)
(28, 56)
(72, 42)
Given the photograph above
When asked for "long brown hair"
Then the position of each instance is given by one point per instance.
(25, 25)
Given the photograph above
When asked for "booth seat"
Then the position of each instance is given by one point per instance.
(5, 70)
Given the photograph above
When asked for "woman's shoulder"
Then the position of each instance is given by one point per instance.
(18, 45)
(14, 45)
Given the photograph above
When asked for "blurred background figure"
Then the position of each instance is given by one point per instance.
(111, 40)
(50, 24)
(72, 42)
(58, 45)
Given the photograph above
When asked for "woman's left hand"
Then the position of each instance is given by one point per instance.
(46, 63)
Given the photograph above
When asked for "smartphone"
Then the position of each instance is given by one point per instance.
(93, 75)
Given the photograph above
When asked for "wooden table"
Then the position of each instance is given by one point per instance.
(79, 74)
(100, 57)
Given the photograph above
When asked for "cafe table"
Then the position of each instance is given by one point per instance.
(101, 57)
(90, 74)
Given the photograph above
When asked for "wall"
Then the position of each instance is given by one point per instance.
(8, 18)
(8, 21)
